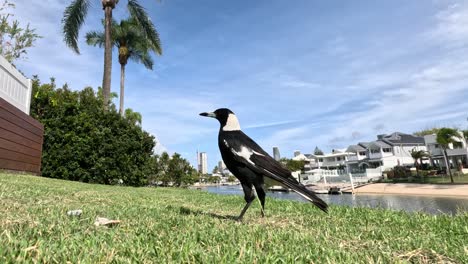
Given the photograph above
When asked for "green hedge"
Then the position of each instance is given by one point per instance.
(82, 142)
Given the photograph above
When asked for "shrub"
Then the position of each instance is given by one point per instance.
(82, 142)
(401, 172)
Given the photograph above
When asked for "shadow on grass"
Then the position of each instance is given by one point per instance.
(188, 211)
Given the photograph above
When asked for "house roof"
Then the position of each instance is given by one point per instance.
(379, 144)
(336, 151)
(355, 148)
(398, 138)
(364, 144)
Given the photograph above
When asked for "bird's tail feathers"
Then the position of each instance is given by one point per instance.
(302, 191)
(308, 195)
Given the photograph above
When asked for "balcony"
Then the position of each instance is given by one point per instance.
(457, 152)
(377, 155)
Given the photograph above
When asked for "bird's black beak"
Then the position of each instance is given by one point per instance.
(213, 115)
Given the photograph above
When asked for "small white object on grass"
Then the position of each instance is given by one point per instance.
(74, 212)
(102, 221)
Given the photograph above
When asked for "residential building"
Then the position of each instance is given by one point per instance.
(386, 152)
(457, 153)
(221, 166)
(276, 153)
(202, 160)
(335, 160)
(363, 161)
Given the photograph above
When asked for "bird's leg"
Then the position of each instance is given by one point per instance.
(247, 205)
(249, 196)
(261, 196)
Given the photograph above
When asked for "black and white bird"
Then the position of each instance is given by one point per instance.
(251, 164)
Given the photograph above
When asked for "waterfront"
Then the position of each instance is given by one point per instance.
(409, 203)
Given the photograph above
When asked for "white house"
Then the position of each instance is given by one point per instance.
(386, 152)
(457, 153)
(365, 160)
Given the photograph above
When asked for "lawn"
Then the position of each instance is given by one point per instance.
(161, 225)
(443, 179)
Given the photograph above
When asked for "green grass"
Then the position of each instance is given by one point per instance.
(161, 225)
(445, 179)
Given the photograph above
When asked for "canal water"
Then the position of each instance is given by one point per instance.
(409, 203)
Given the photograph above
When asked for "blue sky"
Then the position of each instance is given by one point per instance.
(298, 74)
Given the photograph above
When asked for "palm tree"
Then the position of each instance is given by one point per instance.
(446, 136)
(133, 117)
(418, 155)
(73, 19)
(132, 43)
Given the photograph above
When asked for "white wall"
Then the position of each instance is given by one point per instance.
(403, 154)
(14, 87)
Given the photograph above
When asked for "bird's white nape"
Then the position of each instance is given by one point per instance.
(232, 124)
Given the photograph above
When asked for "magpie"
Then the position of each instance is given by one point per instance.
(251, 164)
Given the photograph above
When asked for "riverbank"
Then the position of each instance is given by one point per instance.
(175, 225)
(455, 190)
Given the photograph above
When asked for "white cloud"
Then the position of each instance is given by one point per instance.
(451, 27)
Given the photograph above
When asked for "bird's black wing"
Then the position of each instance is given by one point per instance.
(251, 155)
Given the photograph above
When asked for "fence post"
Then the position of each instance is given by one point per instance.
(29, 95)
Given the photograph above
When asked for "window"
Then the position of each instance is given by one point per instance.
(387, 150)
(362, 153)
(375, 151)
(320, 160)
(338, 158)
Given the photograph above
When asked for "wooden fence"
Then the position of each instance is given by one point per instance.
(21, 138)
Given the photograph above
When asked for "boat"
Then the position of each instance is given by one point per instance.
(334, 190)
(278, 188)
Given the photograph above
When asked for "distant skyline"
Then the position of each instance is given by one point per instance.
(298, 74)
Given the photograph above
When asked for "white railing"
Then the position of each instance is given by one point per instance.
(14, 87)
(342, 176)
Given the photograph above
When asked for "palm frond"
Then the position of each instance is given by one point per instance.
(95, 38)
(139, 14)
(72, 20)
(142, 57)
(446, 136)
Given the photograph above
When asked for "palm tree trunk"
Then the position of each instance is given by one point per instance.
(106, 80)
(122, 87)
(417, 167)
(449, 171)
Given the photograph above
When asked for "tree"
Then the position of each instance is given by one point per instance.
(231, 178)
(446, 136)
(418, 155)
(293, 165)
(215, 170)
(424, 132)
(214, 179)
(174, 170)
(132, 43)
(73, 18)
(133, 117)
(160, 170)
(318, 151)
(14, 40)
